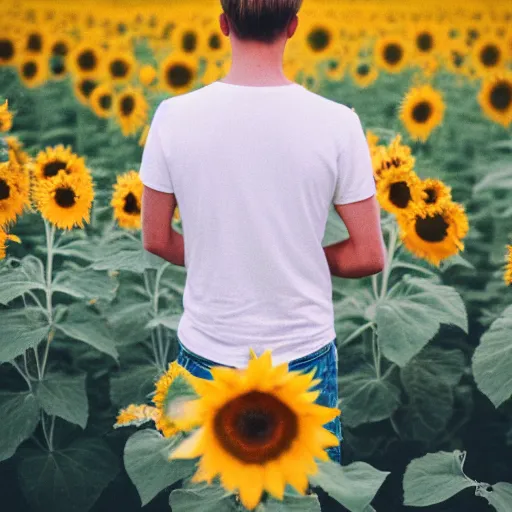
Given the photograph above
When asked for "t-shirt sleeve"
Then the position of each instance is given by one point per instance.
(154, 168)
(355, 171)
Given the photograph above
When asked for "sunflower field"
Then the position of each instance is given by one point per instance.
(88, 318)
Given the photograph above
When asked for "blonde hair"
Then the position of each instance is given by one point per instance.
(261, 20)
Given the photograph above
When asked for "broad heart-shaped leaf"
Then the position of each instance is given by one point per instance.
(15, 283)
(133, 386)
(291, 504)
(84, 325)
(86, 284)
(407, 321)
(129, 260)
(492, 360)
(66, 479)
(206, 498)
(64, 396)
(428, 380)
(19, 333)
(500, 497)
(20, 416)
(365, 398)
(434, 478)
(82, 249)
(128, 319)
(146, 461)
(354, 486)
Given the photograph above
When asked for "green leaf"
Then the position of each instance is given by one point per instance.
(19, 333)
(410, 319)
(129, 260)
(64, 396)
(86, 284)
(128, 320)
(206, 498)
(492, 360)
(434, 478)
(19, 280)
(133, 386)
(169, 321)
(500, 497)
(20, 416)
(67, 479)
(146, 461)
(80, 248)
(293, 504)
(366, 398)
(84, 325)
(354, 486)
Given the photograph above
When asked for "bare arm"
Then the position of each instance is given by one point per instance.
(157, 233)
(363, 253)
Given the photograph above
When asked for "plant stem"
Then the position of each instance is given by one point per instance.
(37, 301)
(52, 427)
(38, 365)
(20, 371)
(48, 440)
(374, 286)
(376, 352)
(393, 235)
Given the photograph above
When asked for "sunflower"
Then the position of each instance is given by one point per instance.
(178, 73)
(61, 45)
(214, 42)
(66, 199)
(136, 415)
(147, 75)
(126, 200)
(434, 235)
(319, 37)
(259, 428)
(120, 66)
(164, 423)
(85, 60)
(101, 100)
(33, 70)
(507, 275)
(3, 239)
(363, 72)
(16, 152)
(51, 160)
(131, 109)
(9, 49)
(435, 193)
(421, 111)
(35, 42)
(398, 189)
(5, 117)
(488, 55)
(14, 191)
(495, 98)
(391, 53)
(186, 38)
(83, 89)
(394, 156)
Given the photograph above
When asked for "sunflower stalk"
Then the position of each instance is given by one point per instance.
(376, 351)
(392, 244)
(22, 373)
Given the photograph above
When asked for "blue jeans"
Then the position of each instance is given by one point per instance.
(325, 360)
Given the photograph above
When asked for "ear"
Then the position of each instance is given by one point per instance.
(224, 25)
(292, 26)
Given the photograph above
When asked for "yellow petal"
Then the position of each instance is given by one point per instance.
(251, 485)
(189, 448)
(274, 480)
(14, 238)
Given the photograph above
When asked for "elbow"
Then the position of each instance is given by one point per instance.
(152, 246)
(376, 262)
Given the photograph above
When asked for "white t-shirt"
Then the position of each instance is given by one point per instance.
(255, 170)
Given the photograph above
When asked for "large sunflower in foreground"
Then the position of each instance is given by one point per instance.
(421, 111)
(126, 200)
(507, 275)
(259, 428)
(65, 200)
(14, 191)
(3, 240)
(495, 98)
(5, 117)
(131, 109)
(398, 189)
(51, 160)
(436, 235)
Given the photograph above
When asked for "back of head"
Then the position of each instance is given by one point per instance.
(260, 20)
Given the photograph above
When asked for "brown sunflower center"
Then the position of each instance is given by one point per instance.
(87, 60)
(87, 86)
(255, 427)
(363, 69)
(422, 111)
(431, 195)
(6, 50)
(65, 197)
(319, 39)
(52, 168)
(127, 105)
(29, 69)
(501, 95)
(490, 55)
(35, 42)
(119, 68)
(189, 41)
(4, 190)
(105, 101)
(424, 42)
(60, 48)
(393, 53)
(57, 65)
(400, 194)
(433, 228)
(214, 42)
(131, 205)
(179, 75)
